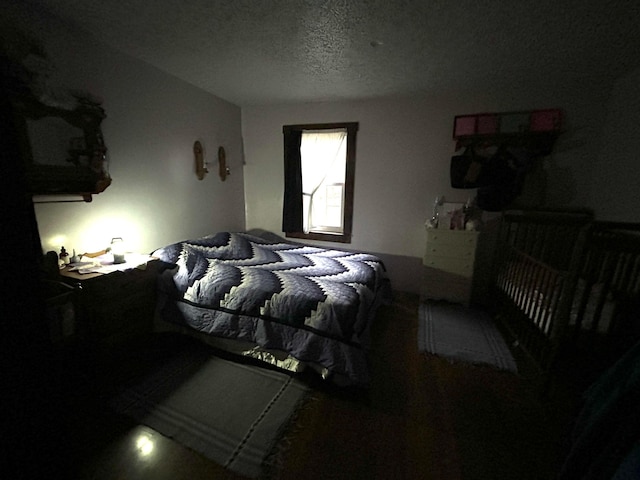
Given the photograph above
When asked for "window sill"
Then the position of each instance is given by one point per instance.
(324, 237)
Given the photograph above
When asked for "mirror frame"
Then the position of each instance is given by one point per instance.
(86, 173)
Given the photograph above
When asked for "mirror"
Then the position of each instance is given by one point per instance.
(51, 140)
(63, 149)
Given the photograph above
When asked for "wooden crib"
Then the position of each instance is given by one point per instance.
(565, 285)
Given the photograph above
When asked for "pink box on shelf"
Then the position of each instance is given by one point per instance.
(487, 124)
(545, 120)
(464, 125)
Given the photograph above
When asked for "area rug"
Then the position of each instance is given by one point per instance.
(231, 413)
(464, 334)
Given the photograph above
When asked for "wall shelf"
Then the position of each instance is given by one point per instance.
(533, 129)
(62, 149)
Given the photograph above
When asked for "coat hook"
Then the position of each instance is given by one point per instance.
(223, 170)
(201, 166)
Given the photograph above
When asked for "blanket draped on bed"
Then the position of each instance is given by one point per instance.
(316, 304)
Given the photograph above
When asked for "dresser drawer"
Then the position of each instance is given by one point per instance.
(449, 260)
(455, 238)
(118, 306)
(464, 251)
(130, 313)
(459, 266)
(119, 284)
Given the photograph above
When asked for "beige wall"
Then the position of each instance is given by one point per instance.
(403, 152)
(152, 121)
(617, 173)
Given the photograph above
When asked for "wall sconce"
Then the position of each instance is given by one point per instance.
(223, 170)
(201, 166)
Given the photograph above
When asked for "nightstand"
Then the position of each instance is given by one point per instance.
(114, 308)
(448, 265)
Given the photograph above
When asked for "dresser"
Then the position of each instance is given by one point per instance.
(448, 265)
(115, 307)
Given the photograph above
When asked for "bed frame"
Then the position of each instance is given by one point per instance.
(564, 286)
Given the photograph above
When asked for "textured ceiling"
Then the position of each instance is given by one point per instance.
(268, 51)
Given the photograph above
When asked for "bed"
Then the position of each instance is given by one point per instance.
(564, 285)
(289, 304)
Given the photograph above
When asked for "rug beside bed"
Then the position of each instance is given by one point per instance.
(462, 334)
(231, 413)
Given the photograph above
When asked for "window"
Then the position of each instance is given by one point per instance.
(319, 178)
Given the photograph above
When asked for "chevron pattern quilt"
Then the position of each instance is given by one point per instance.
(316, 304)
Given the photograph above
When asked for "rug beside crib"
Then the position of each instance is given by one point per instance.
(463, 334)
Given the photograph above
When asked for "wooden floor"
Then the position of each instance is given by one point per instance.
(422, 418)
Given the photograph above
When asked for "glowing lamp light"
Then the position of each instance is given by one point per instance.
(144, 445)
(117, 249)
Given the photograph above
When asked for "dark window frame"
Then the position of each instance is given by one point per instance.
(293, 229)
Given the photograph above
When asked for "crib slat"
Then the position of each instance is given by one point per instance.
(536, 253)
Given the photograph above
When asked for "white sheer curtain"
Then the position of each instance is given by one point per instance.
(323, 161)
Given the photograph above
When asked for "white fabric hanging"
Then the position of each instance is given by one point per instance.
(323, 160)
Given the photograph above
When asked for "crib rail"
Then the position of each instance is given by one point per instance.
(564, 285)
(532, 292)
(609, 277)
(535, 275)
(549, 236)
